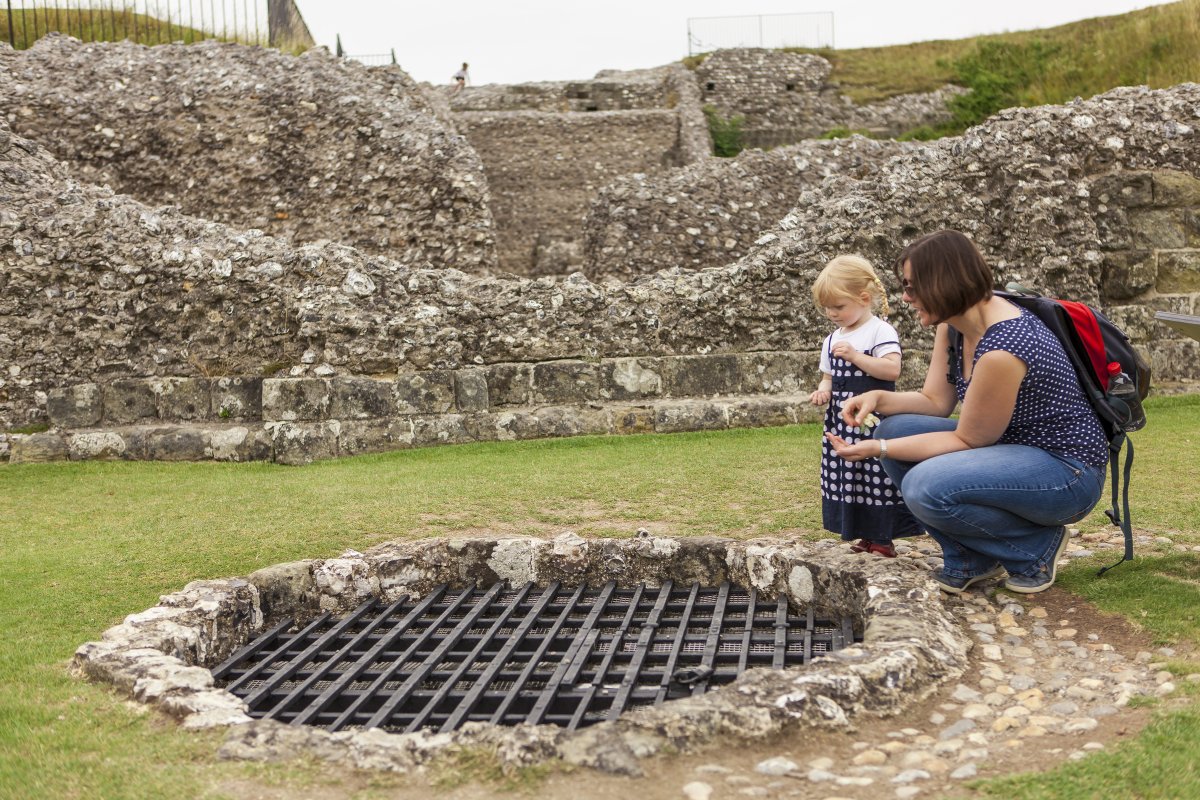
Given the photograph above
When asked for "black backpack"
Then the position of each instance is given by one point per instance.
(1091, 342)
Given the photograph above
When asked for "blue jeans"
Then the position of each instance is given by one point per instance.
(1005, 503)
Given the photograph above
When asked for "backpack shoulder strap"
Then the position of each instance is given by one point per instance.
(953, 355)
(1114, 514)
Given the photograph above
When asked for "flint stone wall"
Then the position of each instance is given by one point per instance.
(96, 286)
(307, 147)
(787, 97)
(162, 656)
(710, 213)
(1045, 192)
(670, 87)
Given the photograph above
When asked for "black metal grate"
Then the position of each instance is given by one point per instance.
(560, 655)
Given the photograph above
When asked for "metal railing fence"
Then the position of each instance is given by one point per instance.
(813, 30)
(275, 23)
(374, 59)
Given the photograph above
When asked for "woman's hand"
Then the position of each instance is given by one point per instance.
(857, 408)
(867, 448)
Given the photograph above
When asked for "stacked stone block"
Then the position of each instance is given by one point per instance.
(544, 168)
(1151, 226)
(548, 148)
(302, 419)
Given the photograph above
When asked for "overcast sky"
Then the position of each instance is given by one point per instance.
(507, 41)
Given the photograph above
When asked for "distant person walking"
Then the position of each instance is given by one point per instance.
(461, 78)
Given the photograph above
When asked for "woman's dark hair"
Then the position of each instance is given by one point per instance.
(948, 274)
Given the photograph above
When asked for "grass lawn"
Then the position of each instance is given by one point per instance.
(82, 545)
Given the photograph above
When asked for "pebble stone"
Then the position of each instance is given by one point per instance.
(1033, 676)
(776, 766)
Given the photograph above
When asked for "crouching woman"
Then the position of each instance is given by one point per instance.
(1026, 456)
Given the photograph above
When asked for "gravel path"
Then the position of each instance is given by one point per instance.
(1046, 685)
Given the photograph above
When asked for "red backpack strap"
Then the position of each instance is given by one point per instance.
(1089, 334)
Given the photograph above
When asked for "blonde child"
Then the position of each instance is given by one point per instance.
(858, 501)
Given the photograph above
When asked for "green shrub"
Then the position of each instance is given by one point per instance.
(726, 132)
(34, 427)
(1000, 75)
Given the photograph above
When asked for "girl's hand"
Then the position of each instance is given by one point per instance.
(820, 397)
(867, 448)
(856, 409)
(844, 351)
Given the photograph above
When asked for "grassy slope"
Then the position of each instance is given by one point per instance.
(84, 544)
(99, 25)
(1157, 46)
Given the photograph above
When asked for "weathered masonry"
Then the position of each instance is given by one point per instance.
(548, 148)
(298, 420)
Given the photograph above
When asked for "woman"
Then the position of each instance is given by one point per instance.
(1027, 455)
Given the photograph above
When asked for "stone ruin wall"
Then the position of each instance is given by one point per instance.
(548, 148)
(1096, 200)
(307, 148)
(710, 214)
(320, 148)
(1078, 199)
(139, 292)
(614, 93)
(669, 87)
(787, 97)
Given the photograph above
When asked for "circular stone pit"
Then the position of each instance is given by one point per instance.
(910, 644)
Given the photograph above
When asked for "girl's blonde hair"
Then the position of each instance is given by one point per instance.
(848, 277)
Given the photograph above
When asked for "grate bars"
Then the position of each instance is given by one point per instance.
(569, 656)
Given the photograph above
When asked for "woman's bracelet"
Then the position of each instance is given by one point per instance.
(882, 447)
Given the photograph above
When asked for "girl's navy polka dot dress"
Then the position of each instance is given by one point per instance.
(858, 500)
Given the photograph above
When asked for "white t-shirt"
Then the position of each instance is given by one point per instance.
(874, 337)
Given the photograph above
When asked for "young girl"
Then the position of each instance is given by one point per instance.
(858, 501)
